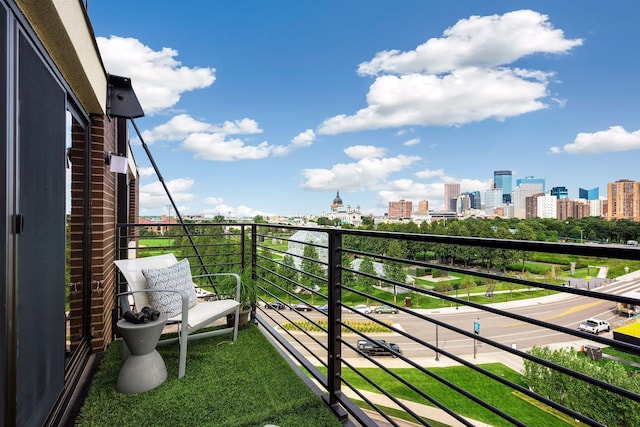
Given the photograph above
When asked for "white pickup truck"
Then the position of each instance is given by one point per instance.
(595, 326)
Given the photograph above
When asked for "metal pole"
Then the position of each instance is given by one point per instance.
(437, 355)
(175, 207)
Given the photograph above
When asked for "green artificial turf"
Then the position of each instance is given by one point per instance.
(246, 383)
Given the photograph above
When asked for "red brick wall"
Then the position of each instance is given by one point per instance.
(103, 220)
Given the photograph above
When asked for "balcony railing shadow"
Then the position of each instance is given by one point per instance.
(470, 352)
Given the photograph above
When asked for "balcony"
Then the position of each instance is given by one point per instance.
(487, 329)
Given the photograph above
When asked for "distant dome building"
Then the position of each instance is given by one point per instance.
(345, 215)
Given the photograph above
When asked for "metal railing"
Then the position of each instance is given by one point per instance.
(319, 274)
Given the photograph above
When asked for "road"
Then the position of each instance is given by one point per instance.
(566, 310)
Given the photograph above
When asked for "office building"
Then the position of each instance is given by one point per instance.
(531, 180)
(592, 194)
(451, 193)
(492, 200)
(560, 192)
(526, 187)
(503, 180)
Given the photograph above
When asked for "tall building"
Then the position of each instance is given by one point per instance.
(400, 209)
(623, 200)
(423, 208)
(547, 206)
(531, 180)
(492, 200)
(531, 205)
(592, 194)
(451, 193)
(463, 204)
(560, 192)
(503, 180)
(525, 187)
(476, 201)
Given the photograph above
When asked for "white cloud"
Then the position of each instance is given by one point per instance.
(616, 138)
(428, 174)
(303, 139)
(364, 151)
(485, 41)
(411, 142)
(153, 196)
(223, 142)
(146, 171)
(368, 173)
(157, 77)
(464, 96)
(215, 146)
(460, 78)
(176, 129)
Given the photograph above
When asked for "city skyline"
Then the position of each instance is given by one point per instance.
(261, 109)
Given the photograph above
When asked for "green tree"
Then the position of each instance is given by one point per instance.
(290, 274)
(364, 282)
(393, 269)
(313, 271)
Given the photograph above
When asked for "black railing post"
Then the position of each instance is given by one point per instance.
(334, 276)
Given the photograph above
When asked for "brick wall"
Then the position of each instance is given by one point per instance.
(101, 234)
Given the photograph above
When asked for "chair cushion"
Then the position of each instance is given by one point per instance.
(176, 276)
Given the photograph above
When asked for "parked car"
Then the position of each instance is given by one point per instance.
(385, 309)
(361, 308)
(324, 308)
(301, 307)
(378, 348)
(595, 326)
(275, 305)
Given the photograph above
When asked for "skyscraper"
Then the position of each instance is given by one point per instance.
(492, 199)
(503, 180)
(560, 192)
(592, 194)
(451, 193)
(525, 188)
(531, 180)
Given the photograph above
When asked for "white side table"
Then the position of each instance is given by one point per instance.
(144, 368)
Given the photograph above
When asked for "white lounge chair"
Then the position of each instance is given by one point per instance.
(200, 315)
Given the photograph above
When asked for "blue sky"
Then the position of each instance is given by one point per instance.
(270, 107)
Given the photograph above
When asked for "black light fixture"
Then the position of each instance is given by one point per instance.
(121, 98)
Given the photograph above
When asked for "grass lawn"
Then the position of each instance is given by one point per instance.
(243, 384)
(496, 394)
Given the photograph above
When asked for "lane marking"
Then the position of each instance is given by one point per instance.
(564, 313)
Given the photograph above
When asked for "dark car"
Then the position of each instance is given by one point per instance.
(301, 307)
(275, 305)
(378, 348)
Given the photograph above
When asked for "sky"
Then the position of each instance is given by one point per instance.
(271, 107)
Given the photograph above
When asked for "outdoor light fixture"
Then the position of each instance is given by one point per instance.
(116, 163)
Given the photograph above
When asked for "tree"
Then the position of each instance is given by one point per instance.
(364, 282)
(393, 269)
(290, 274)
(312, 269)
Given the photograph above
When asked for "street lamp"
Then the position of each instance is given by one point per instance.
(581, 230)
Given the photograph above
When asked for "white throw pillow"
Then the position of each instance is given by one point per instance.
(176, 276)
